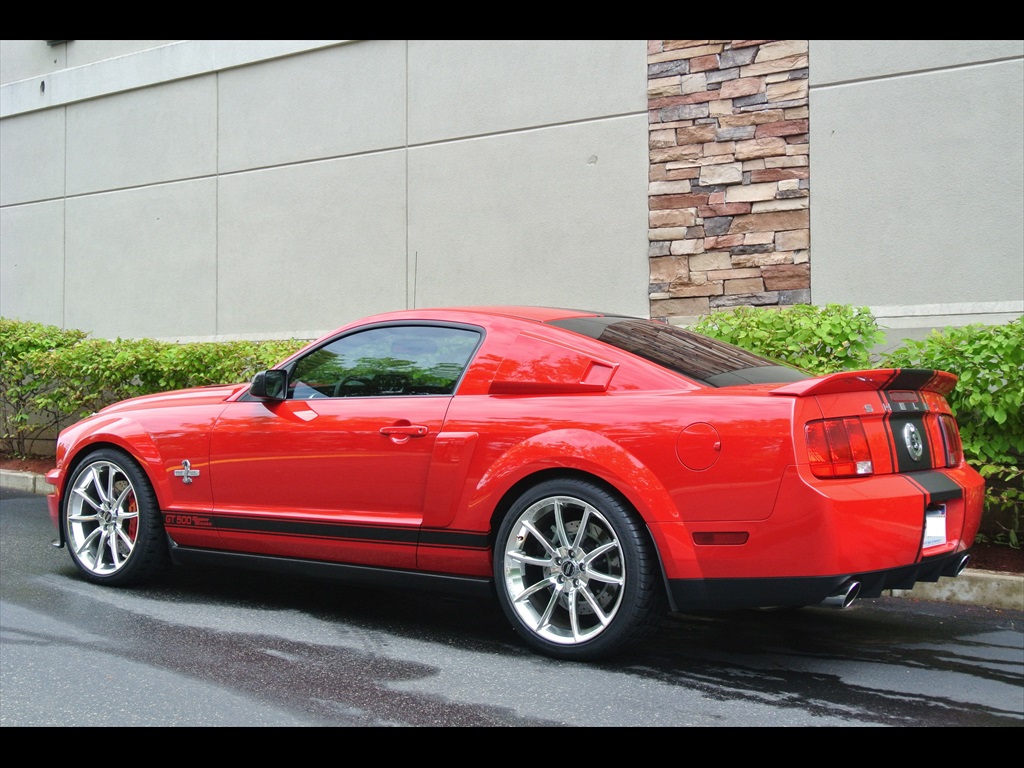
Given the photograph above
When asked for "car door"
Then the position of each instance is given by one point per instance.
(338, 469)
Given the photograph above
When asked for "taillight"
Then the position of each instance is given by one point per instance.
(838, 448)
(951, 440)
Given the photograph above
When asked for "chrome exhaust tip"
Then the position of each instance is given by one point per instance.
(843, 596)
(957, 567)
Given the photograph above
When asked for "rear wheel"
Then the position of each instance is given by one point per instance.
(112, 520)
(575, 571)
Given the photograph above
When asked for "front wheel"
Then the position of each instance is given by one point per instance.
(575, 571)
(112, 520)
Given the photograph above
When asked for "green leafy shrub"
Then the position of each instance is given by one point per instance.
(24, 379)
(989, 396)
(50, 378)
(836, 337)
(1004, 505)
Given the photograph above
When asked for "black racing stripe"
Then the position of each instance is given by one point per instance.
(910, 378)
(898, 426)
(917, 405)
(887, 431)
(370, 533)
(892, 377)
(459, 539)
(912, 479)
(936, 487)
(924, 511)
(383, 534)
(940, 487)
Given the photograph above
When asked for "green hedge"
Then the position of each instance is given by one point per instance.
(819, 340)
(50, 378)
(23, 381)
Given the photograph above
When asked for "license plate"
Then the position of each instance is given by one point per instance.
(935, 527)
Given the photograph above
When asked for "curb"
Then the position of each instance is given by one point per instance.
(972, 587)
(988, 588)
(28, 482)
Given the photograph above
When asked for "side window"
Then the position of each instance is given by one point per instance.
(385, 361)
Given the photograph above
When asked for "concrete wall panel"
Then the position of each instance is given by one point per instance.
(304, 249)
(143, 137)
(554, 217)
(84, 52)
(837, 61)
(21, 59)
(321, 104)
(32, 262)
(143, 262)
(32, 157)
(916, 191)
(461, 88)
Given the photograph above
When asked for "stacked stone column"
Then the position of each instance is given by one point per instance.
(729, 175)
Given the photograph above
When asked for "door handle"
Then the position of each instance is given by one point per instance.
(408, 430)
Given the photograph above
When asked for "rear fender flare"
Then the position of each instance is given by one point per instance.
(583, 451)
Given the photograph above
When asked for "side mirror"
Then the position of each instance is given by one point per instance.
(269, 385)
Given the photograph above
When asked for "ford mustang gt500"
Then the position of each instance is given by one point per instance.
(593, 470)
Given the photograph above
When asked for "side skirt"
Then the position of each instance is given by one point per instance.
(432, 582)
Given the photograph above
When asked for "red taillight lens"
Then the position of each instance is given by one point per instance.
(951, 440)
(838, 448)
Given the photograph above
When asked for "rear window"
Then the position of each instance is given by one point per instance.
(706, 360)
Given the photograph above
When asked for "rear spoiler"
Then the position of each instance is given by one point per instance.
(917, 379)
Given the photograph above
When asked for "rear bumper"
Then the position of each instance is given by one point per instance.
(730, 594)
(823, 532)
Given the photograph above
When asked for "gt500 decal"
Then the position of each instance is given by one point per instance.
(187, 521)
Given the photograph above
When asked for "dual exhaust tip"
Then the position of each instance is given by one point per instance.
(957, 566)
(844, 596)
(847, 593)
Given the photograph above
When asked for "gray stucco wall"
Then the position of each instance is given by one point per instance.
(917, 168)
(203, 190)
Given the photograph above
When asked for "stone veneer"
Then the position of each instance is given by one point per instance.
(728, 211)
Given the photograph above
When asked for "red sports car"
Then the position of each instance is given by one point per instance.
(593, 470)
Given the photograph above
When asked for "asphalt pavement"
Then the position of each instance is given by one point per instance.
(974, 587)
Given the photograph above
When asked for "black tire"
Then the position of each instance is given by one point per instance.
(111, 519)
(575, 571)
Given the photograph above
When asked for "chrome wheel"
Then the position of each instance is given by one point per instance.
(103, 518)
(575, 571)
(111, 521)
(564, 570)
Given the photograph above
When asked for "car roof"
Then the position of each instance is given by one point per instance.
(520, 312)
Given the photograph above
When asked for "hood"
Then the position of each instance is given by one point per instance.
(210, 395)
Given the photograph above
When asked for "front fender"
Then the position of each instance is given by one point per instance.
(79, 440)
(159, 455)
(99, 432)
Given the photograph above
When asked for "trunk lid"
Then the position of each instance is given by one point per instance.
(877, 422)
